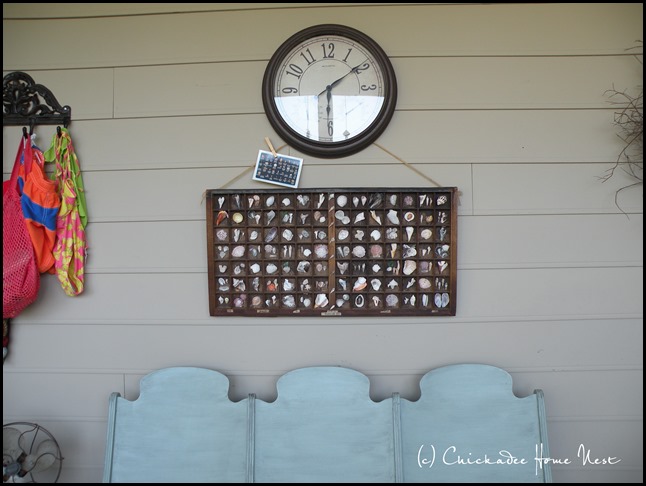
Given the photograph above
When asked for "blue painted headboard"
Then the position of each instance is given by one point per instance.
(467, 426)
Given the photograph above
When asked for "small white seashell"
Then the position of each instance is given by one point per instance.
(409, 232)
(341, 201)
(238, 251)
(255, 268)
(321, 300)
(320, 251)
(409, 216)
(271, 268)
(340, 302)
(376, 217)
(376, 283)
(359, 284)
(375, 234)
(359, 301)
(376, 268)
(306, 301)
(359, 217)
(339, 214)
(409, 267)
(391, 300)
(343, 267)
(393, 199)
(442, 265)
(424, 283)
(288, 235)
(392, 216)
(220, 201)
(359, 251)
(270, 201)
(364, 199)
(426, 234)
(286, 201)
(441, 200)
(343, 234)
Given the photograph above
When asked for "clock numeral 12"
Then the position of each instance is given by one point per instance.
(326, 54)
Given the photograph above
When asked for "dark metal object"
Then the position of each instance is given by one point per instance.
(24, 102)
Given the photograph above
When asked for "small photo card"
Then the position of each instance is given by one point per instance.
(281, 170)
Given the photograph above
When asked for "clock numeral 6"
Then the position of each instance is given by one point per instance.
(330, 128)
(365, 87)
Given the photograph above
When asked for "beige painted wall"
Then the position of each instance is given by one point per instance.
(504, 101)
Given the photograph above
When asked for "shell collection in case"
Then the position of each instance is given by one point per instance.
(353, 252)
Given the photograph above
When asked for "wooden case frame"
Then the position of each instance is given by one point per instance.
(332, 252)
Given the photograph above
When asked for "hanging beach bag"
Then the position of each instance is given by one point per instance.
(40, 206)
(70, 249)
(20, 275)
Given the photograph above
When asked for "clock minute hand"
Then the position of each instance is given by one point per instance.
(329, 87)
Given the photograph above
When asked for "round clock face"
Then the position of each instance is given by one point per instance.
(329, 91)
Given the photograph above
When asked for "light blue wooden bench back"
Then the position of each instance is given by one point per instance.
(323, 427)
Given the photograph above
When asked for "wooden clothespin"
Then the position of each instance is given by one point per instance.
(271, 147)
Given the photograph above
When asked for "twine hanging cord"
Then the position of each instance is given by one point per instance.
(275, 153)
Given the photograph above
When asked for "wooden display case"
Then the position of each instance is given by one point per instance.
(332, 252)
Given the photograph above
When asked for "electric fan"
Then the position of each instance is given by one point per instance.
(30, 454)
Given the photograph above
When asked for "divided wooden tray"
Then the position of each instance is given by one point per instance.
(332, 252)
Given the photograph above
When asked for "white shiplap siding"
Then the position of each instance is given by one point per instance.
(505, 101)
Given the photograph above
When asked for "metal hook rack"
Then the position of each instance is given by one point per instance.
(24, 102)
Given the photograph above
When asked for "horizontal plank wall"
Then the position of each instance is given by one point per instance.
(505, 101)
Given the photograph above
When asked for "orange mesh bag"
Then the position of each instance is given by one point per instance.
(20, 275)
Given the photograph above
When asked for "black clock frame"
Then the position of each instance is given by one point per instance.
(330, 149)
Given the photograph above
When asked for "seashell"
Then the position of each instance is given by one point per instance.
(376, 251)
(376, 301)
(375, 217)
(270, 216)
(237, 218)
(238, 269)
(340, 302)
(220, 201)
(443, 217)
(391, 233)
(320, 301)
(355, 201)
(359, 284)
(424, 283)
(343, 267)
(236, 200)
(253, 235)
(271, 268)
(359, 217)
(250, 201)
(364, 199)
(320, 251)
(238, 251)
(287, 285)
(375, 234)
(287, 268)
(221, 234)
(442, 265)
(303, 199)
(409, 251)
(256, 301)
(343, 284)
(441, 200)
(392, 284)
(303, 267)
(222, 215)
(375, 200)
(289, 301)
(438, 300)
(426, 234)
(286, 201)
(222, 268)
(410, 283)
(288, 235)
(425, 300)
(442, 251)
(271, 235)
(239, 285)
(393, 249)
(341, 201)
(269, 201)
(376, 268)
(288, 217)
(255, 268)
(359, 251)
(321, 200)
(412, 300)
(305, 285)
(375, 283)
(409, 232)
(422, 199)
(306, 252)
(408, 200)
(270, 250)
(339, 214)
(409, 267)
(320, 267)
(236, 234)
(424, 266)
(359, 234)
(254, 251)
(238, 301)
(346, 220)
(442, 233)
(359, 301)
(392, 216)
(343, 234)
(320, 235)
(306, 301)
(393, 199)
(409, 216)
(392, 300)
(223, 285)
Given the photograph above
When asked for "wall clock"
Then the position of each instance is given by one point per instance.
(329, 90)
